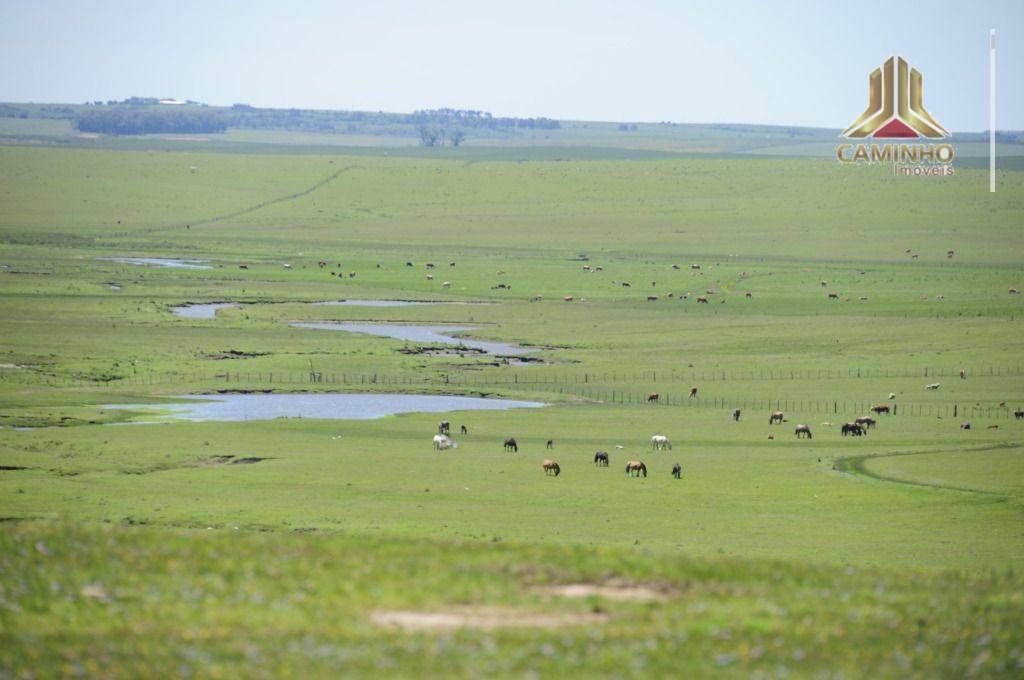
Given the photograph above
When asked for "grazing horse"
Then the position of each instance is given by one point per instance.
(963, 374)
(1019, 414)
(866, 422)
(444, 427)
(693, 392)
(880, 408)
(775, 417)
(659, 442)
(653, 396)
(803, 429)
(601, 459)
(677, 471)
(703, 300)
(551, 443)
(443, 442)
(965, 426)
(736, 414)
(510, 445)
(635, 468)
(464, 430)
(933, 386)
(853, 429)
(550, 467)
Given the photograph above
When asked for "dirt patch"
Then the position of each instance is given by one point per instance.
(489, 618)
(610, 591)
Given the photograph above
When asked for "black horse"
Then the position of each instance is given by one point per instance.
(464, 430)
(1018, 414)
(551, 443)
(677, 471)
(510, 444)
(444, 427)
(854, 429)
(736, 414)
(601, 459)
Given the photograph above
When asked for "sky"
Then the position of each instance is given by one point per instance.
(785, 63)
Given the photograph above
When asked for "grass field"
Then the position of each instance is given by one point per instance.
(133, 547)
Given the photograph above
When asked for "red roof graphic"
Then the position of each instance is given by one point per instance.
(895, 129)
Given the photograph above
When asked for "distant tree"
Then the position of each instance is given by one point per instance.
(457, 136)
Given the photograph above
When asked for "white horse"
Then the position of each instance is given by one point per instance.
(933, 386)
(660, 441)
(444, 442)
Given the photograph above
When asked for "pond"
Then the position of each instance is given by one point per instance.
(201, 311)
(160, 262)
(237, 407)
(420, 334)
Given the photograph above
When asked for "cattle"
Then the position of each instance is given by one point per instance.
(463, 429)
(321, 264)
(536, 298)
(287, 266)
(748, 295)
(824, 283)
(446, 284)
(243, 266)
(677, 471)
(675, 266)
(408, 264)
(694, 266)
(351, 275)
(550, 467)
(430, 265)
(803, 430)
(892, 395)
(693, 392)
(653, 397)
(776, 417)
(601, 458)
(568, 298)
(652, 298)
(451, 264)
(511, 445)
(963, 374)
(625, 284)
(1013, 291)
(430, 277)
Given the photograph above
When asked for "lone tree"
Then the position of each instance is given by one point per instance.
(457, 136)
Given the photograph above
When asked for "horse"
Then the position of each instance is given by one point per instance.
(777, 416)
(551, 444)
(510, 445)
(693, 392)
(853, 429)
(866, 422)
(550, 467)
(601, 459)
(965, 426)
(464, 430)
(443, 442)
(1019, 414)
(653, 396)
(963, 374)
(659, 442)
(702, 300)
(803, 429)
(444, 427)
(635, 466)
(933, 386)
(880, 408)
(736, 414)
(677, 471)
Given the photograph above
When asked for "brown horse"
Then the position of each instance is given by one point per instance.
(702, 300)
(775, 417)
(635, 468)
(854, 429)
(693, 392)
(880, 408)
(803, 429)
(550, 467)
(653, 396)
(866, 422)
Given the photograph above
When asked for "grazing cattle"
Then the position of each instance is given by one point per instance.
(653, 396)
(601, 459)
(933, 386)
(824, 283)
(675, 266)
(693, 392)
(511, 445)
(736, 414)
(586, 267)
(1018, 414)
(625, 284)
(321, 264)
(568, 298)
(694, 266)
(659, 442)
(451, 264)
(430, 265)
(776, 417)
(950, 253)
(866, 422)
(803, 430)
(351, 275)
(444, 427)
(550, 467)
(551, 444)
(464, 430)
(853, 429)
(677, 471)
(430, 277)
(287, 266)
(965, 426)
(635, 468)
(748, 295)
(880, 409)
(993, 427)
(599, 269)
(702, 300)
(443, 442)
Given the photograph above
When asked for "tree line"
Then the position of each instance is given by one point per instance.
(142, 121)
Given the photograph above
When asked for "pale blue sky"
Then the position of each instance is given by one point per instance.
(799, 63)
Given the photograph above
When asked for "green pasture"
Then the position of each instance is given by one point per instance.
(771, 555)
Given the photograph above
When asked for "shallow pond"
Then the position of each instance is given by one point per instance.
(420, 334)
(201, 311)
(160, 262)
(236, 407)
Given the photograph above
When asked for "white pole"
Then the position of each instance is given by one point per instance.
(992, 111)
